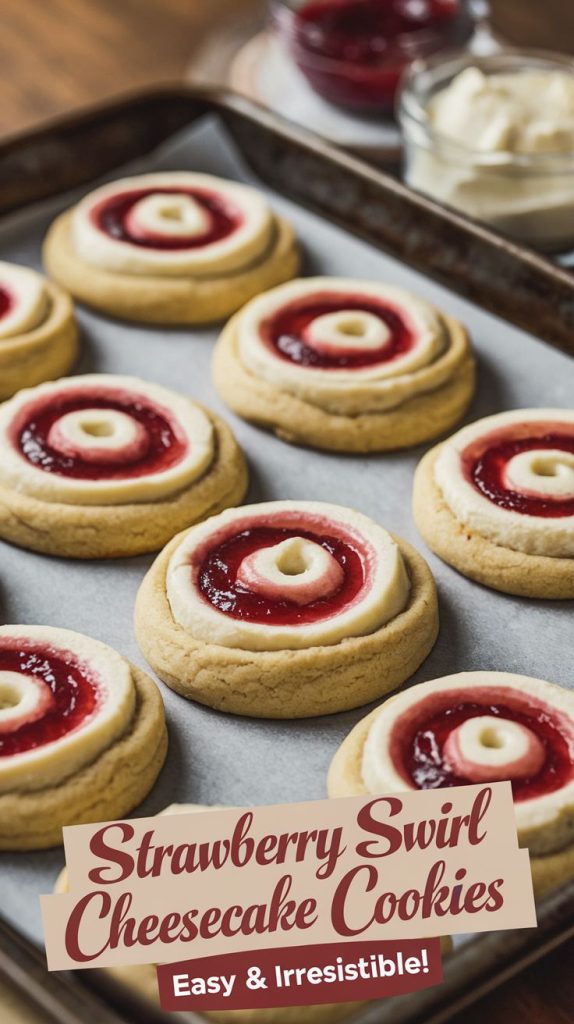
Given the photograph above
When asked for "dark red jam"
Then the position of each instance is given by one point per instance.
(284, 333)
(165, 447)
(419, 749)
(75, 695)
(484, 467)
(5, 302)
(353, 52)
(218, 584)
(110, 216)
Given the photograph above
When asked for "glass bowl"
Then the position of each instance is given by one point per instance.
(354, 52)
(527, 196)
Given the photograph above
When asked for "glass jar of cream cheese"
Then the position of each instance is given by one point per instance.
(493, 136)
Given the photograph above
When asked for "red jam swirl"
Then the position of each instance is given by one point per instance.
(110, 217)
(6, 302)
(418, 750)
(485, 467)
(74, 691)
(353, 52)
(283, 332)
(165, 449)
(217, 578)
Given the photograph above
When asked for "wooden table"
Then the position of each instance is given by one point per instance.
(59, 54)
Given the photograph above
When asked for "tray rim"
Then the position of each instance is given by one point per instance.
(224, 101)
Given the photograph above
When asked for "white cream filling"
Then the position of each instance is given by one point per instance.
(485, 124)
(372, 388)
(384, 594)
(535, 535)
(124, 439)
(56, 760)
(296, 569)
(28, 300)
(167, 215)
(154, 215)
(489, 748)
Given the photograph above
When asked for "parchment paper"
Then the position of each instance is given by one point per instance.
(219, 759)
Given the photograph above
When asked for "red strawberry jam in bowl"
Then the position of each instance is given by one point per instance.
(477, 728)
(63, 699)
(102, 440)
(286, 575)
(354, 52)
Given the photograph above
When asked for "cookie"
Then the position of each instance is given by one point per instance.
(140, 980)
(170, 248)
(476, 727)
(38, 332)
(496, 501)
(102, 466)
(287, 609)
(82, 734)
(345, 365)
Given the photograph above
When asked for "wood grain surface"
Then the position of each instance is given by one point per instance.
(57, 55)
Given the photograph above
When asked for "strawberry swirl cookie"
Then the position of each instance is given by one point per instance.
(496, 501)
(476, 727)
(103, 466)
(172, 247)
(286, 610)
(82, 734)
(345, 365)
(38, 332)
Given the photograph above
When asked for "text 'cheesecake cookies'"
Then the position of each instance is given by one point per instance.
(286, 609)
(476, 727)
(345, 365)
(170, 247)
(102, 466)
(38, 332)
(496, 501)
(82, 734)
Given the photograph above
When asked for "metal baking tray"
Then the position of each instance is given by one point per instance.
(354, 221)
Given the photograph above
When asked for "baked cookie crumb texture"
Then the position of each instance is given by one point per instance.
(82, 734)
(170, 247)
(104, 466)
(286, 609)
(38, 332)
(496, 501)
(476, 727)
(345, 365)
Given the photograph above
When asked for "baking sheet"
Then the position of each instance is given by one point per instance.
(220, 759)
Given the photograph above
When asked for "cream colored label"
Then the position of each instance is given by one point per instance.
(398, 866)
